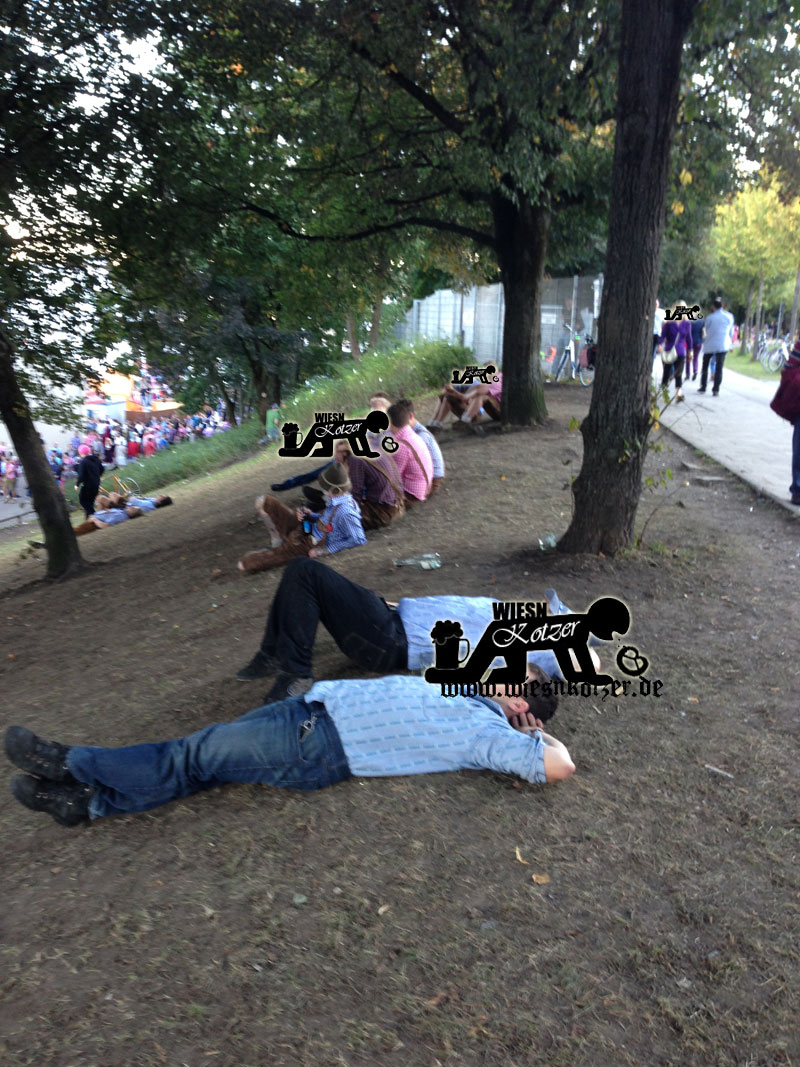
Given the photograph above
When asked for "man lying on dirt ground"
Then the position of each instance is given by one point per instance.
(114, 509)
(377, 728)
(145, 504)
(380, 637)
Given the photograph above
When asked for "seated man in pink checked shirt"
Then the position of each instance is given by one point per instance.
(413, 460)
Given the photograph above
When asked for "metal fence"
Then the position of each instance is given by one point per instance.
(475, 318)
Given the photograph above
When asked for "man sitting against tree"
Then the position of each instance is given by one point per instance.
(368, 728)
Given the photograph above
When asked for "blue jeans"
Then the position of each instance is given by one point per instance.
(272, 744)
(794, 488)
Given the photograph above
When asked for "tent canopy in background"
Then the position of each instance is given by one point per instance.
(117, 397)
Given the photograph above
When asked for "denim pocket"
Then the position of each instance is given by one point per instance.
(380, 654)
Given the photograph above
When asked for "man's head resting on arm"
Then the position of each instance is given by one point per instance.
(539, 704)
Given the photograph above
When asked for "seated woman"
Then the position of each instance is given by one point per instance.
(338, 527)
(466, 402)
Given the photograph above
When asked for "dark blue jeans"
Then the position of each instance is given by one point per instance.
(719, 363)
(290, 744)
(794, 488)
(360, 622)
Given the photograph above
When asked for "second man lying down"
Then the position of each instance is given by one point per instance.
(377, 636)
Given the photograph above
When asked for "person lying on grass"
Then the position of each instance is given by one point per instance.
(145, 504)
(369, 631)
(114, 509)
(366, 728)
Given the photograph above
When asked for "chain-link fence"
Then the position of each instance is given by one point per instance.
(475, 318)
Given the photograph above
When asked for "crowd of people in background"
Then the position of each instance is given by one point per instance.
(113, 444)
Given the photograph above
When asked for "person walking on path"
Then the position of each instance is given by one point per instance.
(90, 471)
(10, 477)
(693, 357)
(786, 403)
(718, 343)
(676, 347)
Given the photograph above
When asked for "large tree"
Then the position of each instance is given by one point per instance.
(349, 120)
(64, 92)
(732, 43)
(606, 492)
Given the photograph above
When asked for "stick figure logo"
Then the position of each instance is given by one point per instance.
(468, 375)
(330, 427)
(682, 310)
(518, 629)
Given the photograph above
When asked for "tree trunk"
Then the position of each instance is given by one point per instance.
(375, 325)
(759, 316)
(746, 323)
(615, 432)
(352, 335)
(522, 231)
(63, 555)
(795, 303)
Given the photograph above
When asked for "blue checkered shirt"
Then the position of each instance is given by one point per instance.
(403, 725)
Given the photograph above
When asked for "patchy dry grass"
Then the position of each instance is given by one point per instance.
(389, 921)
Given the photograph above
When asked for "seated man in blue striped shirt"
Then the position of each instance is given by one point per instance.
(334, 529)
(369, 728)
(367, 629)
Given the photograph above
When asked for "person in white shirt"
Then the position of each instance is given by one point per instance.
(718, 342)
(658, 325)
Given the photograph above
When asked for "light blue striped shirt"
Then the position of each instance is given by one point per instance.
(403, 725)
(418, 615)
(144, 503)
(343, 515)
(433, 448)
(719, 331)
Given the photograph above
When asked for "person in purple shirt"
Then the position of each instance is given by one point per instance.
(697, 327)
(675, 342)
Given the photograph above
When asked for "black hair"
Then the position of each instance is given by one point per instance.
(542, 700)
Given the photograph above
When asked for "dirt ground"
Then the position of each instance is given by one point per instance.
(396, 921)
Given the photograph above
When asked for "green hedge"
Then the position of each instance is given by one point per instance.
(405, 371)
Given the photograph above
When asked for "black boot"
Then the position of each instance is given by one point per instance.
(45, 759)
(68, 804)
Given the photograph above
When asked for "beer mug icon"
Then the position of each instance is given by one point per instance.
(447, 637)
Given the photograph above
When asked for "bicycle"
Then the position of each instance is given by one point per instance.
(772, 355)
(581, 368)
(124, 486)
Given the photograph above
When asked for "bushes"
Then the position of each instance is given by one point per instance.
(405, 371)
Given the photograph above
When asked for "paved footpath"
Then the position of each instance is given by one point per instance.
(740, 431)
